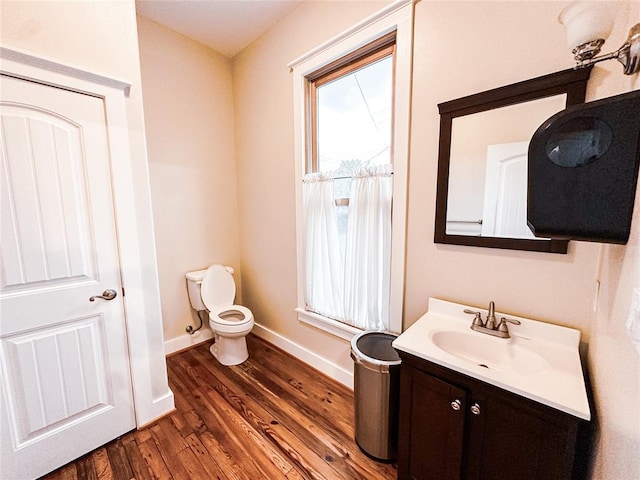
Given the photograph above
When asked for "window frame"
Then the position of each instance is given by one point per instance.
(394, 20)
(369, 54)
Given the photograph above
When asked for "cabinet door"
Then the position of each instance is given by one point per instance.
(511, 440)
(433, 435)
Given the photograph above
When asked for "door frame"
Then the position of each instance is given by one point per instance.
(133, 217)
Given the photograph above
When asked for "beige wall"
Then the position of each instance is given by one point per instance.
(460, 48)
(613, 362)
(188, 96)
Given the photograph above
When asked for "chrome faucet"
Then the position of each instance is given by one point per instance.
(491, 327)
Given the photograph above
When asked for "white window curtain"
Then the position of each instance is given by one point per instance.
(322, 258)
(368, 249)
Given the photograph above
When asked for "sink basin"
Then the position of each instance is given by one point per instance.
(490, 352)
(540, 361)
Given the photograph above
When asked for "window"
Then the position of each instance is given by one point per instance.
(351, 108)
(350, 119)
(352, 114)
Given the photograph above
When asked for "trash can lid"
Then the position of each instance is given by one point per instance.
(375, 347)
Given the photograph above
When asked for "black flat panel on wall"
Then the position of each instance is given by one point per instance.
(583, 170)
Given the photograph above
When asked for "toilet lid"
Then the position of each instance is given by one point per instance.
(231, 315)
(218, 287)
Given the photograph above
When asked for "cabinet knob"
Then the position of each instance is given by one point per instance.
(475, 409)
(456, 404)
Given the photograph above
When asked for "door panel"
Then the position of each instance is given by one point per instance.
(505, 197)
(55, 372)
(65, 371)
(45, 200)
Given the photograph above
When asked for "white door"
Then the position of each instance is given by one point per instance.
(505, 191)
(65, 379)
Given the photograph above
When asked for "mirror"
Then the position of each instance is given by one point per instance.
(482, 161)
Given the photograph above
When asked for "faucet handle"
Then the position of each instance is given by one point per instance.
(477, 320)
(510, 320)
(502, 327)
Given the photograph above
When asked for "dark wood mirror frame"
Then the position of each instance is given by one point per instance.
(571, 82)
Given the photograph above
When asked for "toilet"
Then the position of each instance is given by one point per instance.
(214, 289)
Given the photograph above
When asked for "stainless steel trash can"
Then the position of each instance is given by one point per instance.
(376, 394)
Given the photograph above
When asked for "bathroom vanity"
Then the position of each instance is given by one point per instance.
(473, 406)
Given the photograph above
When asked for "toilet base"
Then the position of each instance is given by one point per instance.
(230, 351)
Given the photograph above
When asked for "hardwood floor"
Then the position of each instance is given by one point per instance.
(273, 417)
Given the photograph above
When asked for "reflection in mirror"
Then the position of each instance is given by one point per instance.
(482, 161)
(488, 169)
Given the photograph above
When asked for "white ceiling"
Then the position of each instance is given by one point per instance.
(226, 26)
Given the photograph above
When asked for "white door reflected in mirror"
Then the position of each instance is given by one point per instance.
(505, 193)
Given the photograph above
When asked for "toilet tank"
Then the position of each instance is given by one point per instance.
(194, 281)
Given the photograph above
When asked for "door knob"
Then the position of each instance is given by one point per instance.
(456, 404)
(108, 294)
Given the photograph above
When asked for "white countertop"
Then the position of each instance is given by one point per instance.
(553, 378)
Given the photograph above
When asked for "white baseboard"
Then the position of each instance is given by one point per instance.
(186, 341)
(159, 408)
(330, 369)
(316, 361)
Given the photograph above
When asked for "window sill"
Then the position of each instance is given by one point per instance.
(328, 325)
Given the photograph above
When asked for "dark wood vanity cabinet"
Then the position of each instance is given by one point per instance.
(456, 427)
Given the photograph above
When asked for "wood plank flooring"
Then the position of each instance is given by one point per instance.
(273, 417)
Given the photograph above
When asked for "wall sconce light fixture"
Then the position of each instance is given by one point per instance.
(588, 24)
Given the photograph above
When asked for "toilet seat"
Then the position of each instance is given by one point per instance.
(218, 290)
(231, 315)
